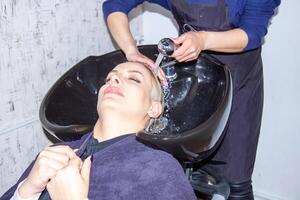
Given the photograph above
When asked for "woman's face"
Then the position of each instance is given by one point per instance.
(127, 91)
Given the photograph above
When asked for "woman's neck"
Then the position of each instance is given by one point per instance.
(106, 130)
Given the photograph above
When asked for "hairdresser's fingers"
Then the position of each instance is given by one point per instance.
(162, 77)
(146, 61)
(192, 43)
(183, 44)
(189, 57)
(136, 56)
(182, 51)
(179, 40)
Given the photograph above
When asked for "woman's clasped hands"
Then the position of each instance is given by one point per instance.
(59, 170)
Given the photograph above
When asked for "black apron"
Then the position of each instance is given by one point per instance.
(238, 148)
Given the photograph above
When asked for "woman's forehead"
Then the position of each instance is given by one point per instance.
(133, 67)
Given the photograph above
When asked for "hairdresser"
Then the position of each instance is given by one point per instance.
(232, 31)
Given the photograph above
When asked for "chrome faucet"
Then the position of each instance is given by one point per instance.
(166, 47)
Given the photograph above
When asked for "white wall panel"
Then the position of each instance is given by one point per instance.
(39, 41)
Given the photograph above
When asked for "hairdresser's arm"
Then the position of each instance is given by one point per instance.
(115, 13)
(192, 43)
(119, 27)
(249, 32)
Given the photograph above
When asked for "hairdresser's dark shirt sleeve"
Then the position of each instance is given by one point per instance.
(110, 6)
(252, 16)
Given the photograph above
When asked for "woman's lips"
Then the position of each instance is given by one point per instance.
(113, 90)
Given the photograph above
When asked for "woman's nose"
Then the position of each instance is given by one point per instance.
(114, 80)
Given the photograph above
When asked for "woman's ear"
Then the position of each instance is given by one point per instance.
(155, 109)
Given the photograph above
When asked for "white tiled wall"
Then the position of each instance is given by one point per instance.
(18, 148)
(39, 41)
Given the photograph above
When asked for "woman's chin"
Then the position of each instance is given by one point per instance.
(110, 106)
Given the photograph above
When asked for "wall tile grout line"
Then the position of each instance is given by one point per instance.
(19, 125)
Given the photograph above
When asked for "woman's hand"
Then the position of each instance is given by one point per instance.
(72, 182)
(47, 164)
(190, 45)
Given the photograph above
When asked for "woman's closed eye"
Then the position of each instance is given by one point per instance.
(134, 79)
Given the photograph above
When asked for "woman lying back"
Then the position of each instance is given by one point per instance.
(110, 163)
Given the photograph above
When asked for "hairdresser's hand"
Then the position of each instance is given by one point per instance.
(134, 55)
(190, 45)
(72, 182)
(47, 164)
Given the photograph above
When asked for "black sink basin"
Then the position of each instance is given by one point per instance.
(199, 103)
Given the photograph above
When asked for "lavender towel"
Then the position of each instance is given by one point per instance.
(128, 170)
